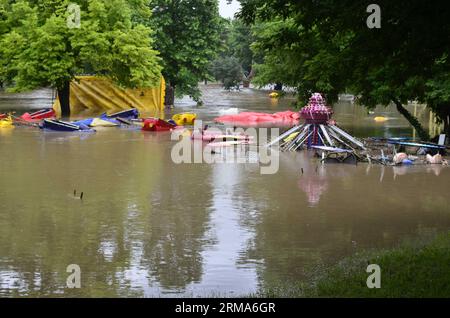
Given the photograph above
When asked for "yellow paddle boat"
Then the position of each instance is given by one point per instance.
(274, 95)
(7, 123)
(184, 119)
(98, 122)
(380, 119)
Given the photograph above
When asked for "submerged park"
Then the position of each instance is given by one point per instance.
(207, 148)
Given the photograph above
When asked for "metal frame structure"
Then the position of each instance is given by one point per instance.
(310, 135)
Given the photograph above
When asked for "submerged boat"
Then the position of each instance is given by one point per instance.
(222, 144)
(6, 122)
(39, 115)
(125, 114)
(83, 122)
(417, 144)
(58, 125)
(184, 119)
(217, 136)
(97, 122)
(207, 134)
(156, 124)
(274, 95)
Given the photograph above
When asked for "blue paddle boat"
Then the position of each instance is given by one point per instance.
(125, 114)
(58, 125)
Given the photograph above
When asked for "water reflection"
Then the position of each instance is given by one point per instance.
(435, 169)
(227, 271)
(314, 184)
(61, 137)
(176, 225)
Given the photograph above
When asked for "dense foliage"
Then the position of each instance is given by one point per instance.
(38, 48)
(235, 61)
(327, 46)
(187, 35)
(238, 45)
(228, 71)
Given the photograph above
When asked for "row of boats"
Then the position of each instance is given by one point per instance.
(8, 120)
(46, 120)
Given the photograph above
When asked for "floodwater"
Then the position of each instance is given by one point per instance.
(148, 227)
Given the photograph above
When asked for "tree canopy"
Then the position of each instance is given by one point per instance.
(235, 61)
(227, 70)
(187, 35)
(327, 46)
(39, 48)
(240, 38)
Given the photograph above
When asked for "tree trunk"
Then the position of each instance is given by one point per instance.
(252, 74)
(443, 114)
(169, 100)
(64, 99)
(412, 120)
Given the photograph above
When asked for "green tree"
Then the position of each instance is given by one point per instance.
(279, 62)
(4, 7)
(235, 52)
(188, 37)
(229, 71)
(333, 50)
(40, 49)
(239, 44)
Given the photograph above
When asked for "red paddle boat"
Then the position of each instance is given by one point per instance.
(156, 124)
(39, 115)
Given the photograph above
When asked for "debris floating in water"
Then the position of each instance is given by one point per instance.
(320, 133)
(76, 197)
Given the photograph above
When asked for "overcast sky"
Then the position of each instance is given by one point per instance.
(228, 10)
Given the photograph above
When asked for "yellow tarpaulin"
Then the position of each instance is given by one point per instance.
(95, 95)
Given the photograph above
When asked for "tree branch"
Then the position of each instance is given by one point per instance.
(412, 120)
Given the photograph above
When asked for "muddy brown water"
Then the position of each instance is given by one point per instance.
(148, 227)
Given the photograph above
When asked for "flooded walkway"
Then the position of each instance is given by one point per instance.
(148, 227)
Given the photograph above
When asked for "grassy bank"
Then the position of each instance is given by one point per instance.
(419, 269)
